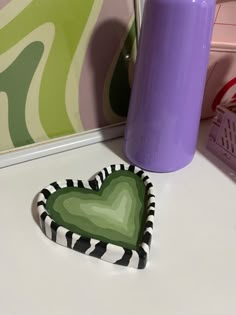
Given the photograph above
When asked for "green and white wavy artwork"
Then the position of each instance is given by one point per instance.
(65, 67)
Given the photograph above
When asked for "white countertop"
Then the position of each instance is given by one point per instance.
(192, 268)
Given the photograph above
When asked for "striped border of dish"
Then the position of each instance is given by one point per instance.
(92, 247)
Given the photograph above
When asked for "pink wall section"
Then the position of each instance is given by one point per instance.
(3, 3)
(109, 30)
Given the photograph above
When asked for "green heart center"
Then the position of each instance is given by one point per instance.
(114, 214)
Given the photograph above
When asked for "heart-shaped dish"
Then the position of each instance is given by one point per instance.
(109, 217)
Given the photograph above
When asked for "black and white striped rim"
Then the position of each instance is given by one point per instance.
(105, 251)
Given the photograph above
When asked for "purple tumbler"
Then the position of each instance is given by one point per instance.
(170, 74)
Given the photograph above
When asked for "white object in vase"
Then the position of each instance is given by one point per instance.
(139, 13)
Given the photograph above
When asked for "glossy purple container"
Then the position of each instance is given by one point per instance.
(169, 82)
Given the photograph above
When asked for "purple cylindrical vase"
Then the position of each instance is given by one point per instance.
(169, 82)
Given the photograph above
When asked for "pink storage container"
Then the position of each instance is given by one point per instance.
(222, 137)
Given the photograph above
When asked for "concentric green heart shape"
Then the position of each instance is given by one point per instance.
(110, 217)
(115, 214)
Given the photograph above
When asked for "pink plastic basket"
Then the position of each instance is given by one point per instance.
(222, 138)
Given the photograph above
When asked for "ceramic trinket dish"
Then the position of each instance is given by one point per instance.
(109, 217)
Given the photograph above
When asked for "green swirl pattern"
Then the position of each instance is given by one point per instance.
(43, 44)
